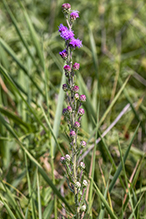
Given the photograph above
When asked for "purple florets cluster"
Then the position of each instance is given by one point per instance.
(73, 112)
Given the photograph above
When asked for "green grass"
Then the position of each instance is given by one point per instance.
(32, 130)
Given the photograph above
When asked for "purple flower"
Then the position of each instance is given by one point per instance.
(64, 111)
(76, 88)
(67, 34)
(63, 54)
(67, 68)
(76, 124)
(69, 109)
(82, 98)
(81, 111)
(72, 133)
(74, 15)
(77, 96)
(62, 28)
(65, 87)
(76, 66)
(83, 143)
(66, 6)
(75, 43)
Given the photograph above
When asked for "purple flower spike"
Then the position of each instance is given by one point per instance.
(72, 134)
(64, 111)
(67, 68)
(82, 98)
(63, 54)
(76, 124)
(66, 6)
(65, 87)
(81, 112)
(67, 34)
(75, 43)
(74, 15)
(69, 109)
(77, 96)
(76, 88)
(76, 66)
(83, 143)
(62, 28)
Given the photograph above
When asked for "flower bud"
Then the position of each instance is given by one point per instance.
(83, 208)
(83, 143)
(69, 109)
(66, 7)
(76, 124)
(67, 157)
(82, 165)
(74, 15)
(67, 68)
(76, 66)
(77, 96)
(85, 183)
(72, 134)
(63, 54)
(81, 111)
(75, 88)
(65, 87)
(62, 160)
(82, 98)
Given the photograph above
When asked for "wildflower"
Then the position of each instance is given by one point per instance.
(62, 28)
(67, 157)
(82, 98)
(76, 124)
(67, 34)
(62, 160)
(75, 43)
(69, 109)
(83, 143)
(82, 165)
(63, 54)
(85, 183)
(67, 68)
(76, 88)
(72, 134)
(83, 208)
(76, 66)
(74, 15)
(81, 111)
(65, 87)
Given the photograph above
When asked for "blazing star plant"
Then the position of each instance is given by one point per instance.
(73, 113)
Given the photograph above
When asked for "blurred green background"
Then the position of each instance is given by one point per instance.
(114, 47)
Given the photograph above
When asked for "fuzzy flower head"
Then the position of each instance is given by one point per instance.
(63, 54)
(76, 66)
(83, 208)
(78, 185)
(75, 43)
(66, 7)
(74, 15)
(83, 143)
(85, 183)
(67, 34)
(62, 28)
(77, 96)
(69, 109)
(64, 111)
(82, 165)
(62, 160)
(67, 68)
(67, 157)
